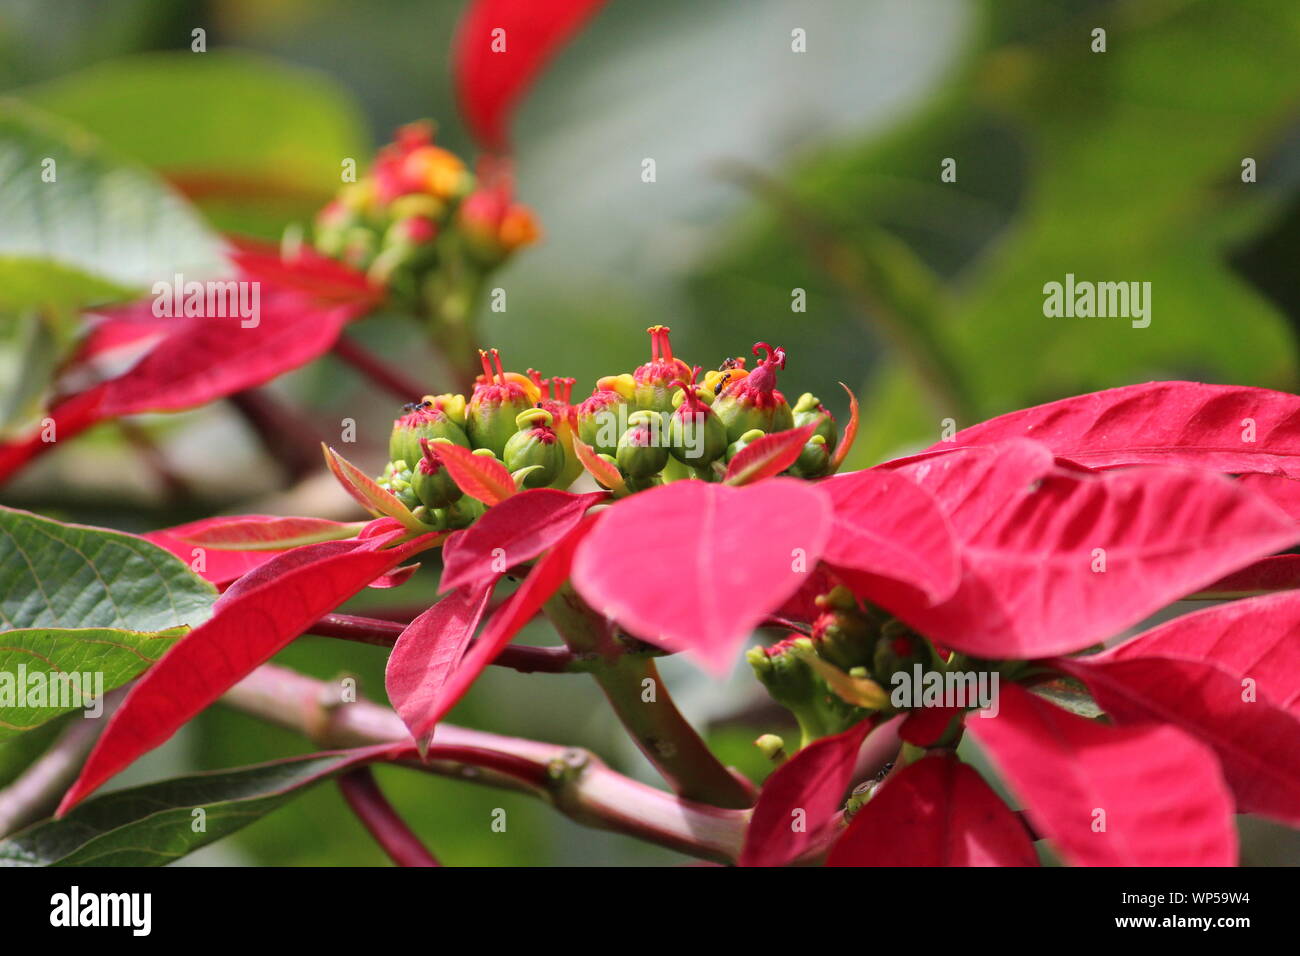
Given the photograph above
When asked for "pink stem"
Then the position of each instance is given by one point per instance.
(378, 816)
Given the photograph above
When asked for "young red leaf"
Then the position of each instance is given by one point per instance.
(887, 526)
(264, 532)
(1226, 428)
(1283, 492)
(696, 566)
(542, 582)
(250, 624)
(1280, 572)
(850, 435)
(768, 456)
(479, 476)
(1075, 558)
(1255, 740)
(323, 279)
(427, 652)
(1111, 796)
(515, 531)
(367, 493)
(800, 798)
(934, 812)
(218, 566)
(605, 473)
(1257, 639)
(500, 46)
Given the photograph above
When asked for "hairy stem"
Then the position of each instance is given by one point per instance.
(573, 780)
(641, 701)
(378, 816)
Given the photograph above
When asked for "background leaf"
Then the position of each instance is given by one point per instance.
(103, 230)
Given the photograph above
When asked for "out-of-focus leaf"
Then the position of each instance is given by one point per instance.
(153, 825)
(83, 227)
(55, 575)
(295, 129)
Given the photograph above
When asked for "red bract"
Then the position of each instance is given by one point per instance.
(428, 651)
(251, 622)
(541, 584)
(935, 812)
(1254, 739)
(1226, 428)
(768, 456)
(887, 530)
(801, 797)
(515, 531)
(696, 566)
(499, 48)
(198, 359)
(1055, 560)
(1111, 796)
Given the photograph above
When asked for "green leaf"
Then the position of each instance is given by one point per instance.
(45, 672)
(1071, 694)
(55, 575)
(81, 227)
(155, 824)
(253, 141)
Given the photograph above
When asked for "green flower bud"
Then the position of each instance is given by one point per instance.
(653, 381)
(463, 513)
(423, 420)
(844, 634)
(497, 401)
(599, 415)
(535, 445)
(815, 459)
(641, 452)
(433, 485)
(753, 401)
(695, 435)
(809, 409)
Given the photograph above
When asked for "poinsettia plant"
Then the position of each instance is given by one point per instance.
(958, 646)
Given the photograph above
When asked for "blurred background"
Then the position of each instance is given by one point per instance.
(777, 171)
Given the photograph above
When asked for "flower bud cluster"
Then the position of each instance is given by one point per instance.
(419, 207)
(658, 423)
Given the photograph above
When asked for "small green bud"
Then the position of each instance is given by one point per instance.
(433, 485)
(641, 452)
(422, 420)
(809, 409)
(535, 446)
(814, 460)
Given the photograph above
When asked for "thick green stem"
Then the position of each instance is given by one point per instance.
(642, 703)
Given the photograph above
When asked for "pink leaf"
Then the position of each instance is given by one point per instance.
(1258, 639)
(249, 625)
(768, 456)
(1072, 559)
(479, 476)
(1226, 428)
(934, 812)
(696, 566)
(887, 526)
(1110, 796)
(1255, 740)
(515, 531)
(264, 532)
(428, 652)
(500, 47)
(542, 582)
(800, 798)
(1280, 572)
(218, 566)
(1283, 492)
